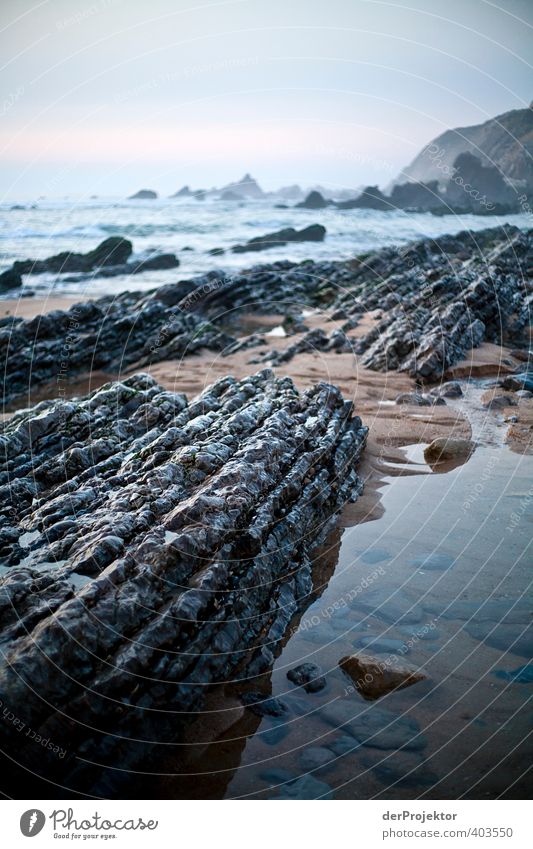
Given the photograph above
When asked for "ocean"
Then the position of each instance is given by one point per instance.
(191, 228)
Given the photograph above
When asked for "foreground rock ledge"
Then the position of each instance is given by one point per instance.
(154, 546)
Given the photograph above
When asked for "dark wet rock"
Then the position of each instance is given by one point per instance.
(263, 705)
(385, 645)
(374, 677)
(451, 295)
(489, 187)
(111, 333)
(422, 197)
(313, 233)
(370, 198)
(216, 251)
(144, 194)
(309, 676)
(498, 402)
(413, 398)
(157, 262)
(306, 787)
(114, 251)
(170, 547)
(450, 389)
(446, 448)
(316, 757)
(433, 561)
(252, 341)
(520, 381)
(314, 200)
(10, 279)
(374, 726)
(520, 675)
(312, 341)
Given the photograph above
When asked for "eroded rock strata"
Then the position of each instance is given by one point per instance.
(434, 300)
(152, 547)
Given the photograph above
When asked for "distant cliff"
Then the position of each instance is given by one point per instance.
(505, 142)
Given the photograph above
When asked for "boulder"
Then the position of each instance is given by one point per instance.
(373, 677)
(446, 448)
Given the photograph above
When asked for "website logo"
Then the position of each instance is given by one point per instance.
(32, 822)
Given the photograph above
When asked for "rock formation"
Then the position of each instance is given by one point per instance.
(153, 546)
(144, 194)
(313, 233)
(504, 142)
(110, 258)
(314, 200)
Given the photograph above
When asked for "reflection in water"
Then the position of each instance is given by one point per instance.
(440, 576)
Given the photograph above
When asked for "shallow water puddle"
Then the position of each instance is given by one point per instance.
(442, 578)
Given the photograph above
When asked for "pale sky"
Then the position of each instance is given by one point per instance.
(109, 96)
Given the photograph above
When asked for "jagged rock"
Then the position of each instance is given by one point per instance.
(107, 334)
(370, 198)
(451, 389)
(446, 448)
(110, 252)
(153, 546)
(307, 675)
(313, 233)
(314, 200)
(374, 677)
(144, 194)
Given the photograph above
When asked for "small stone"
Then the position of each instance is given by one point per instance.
(307, 675)
(447, 448)
(414, 398)
(451, 389)
(374, 677)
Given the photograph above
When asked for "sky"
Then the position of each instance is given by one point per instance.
(109, 96)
